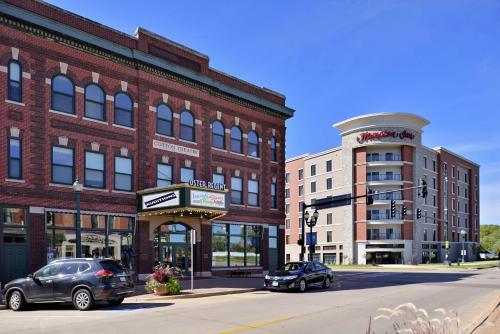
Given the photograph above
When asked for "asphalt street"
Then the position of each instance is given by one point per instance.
(346, 308)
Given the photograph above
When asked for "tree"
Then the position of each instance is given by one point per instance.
(490, 238)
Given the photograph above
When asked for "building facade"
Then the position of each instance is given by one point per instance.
(162, 143)
(384, 153)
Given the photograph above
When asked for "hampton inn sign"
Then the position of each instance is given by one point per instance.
(368, 136)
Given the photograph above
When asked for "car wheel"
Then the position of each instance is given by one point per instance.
(327, 282)
(302, 285)
(17, 301)
(115, 301)
(83, 300)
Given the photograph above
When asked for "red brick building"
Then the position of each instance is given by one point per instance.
(127, 114)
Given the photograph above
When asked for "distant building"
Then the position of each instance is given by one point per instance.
(384, 152)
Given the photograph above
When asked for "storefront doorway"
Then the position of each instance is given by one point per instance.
(384, 258)
(172, 245)
(13, 244)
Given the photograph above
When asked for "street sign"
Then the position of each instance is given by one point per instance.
(333, 201)
(463, 252)
(192, 234)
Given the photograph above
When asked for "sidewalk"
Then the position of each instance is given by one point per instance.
(202, 288)
(491, 325)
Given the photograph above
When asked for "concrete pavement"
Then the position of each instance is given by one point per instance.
(346, 309)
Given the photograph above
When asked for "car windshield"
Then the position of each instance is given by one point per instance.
(292, 266)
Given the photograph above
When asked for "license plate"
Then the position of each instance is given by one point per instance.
(275, 283)
(123, 279)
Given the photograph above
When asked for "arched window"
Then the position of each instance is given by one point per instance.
(123, 110)
(15, 84)
(187, 126)
(63, 94)
(273, 149)
(236, 142)
(253, 144)
(218, 135)
(95, 106)
(164, 120)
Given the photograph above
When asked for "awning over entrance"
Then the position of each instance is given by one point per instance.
(183, 200)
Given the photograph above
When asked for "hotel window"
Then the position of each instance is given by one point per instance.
(300, 223)
(466, 209)
(164, 120)
(15, 159)
(163, 175)
(425, 234)
(329, 183)
(313, 170)
(458, 221)
(287, 239)
(329, 219)
(329, 236)
(187, 174)
(454, 221)
(458, 191)
(287, 193)
(218, 135)
(187, 126)
(301, 174)
(95, 102)
(453, 204)
(425, 162)
(301, 190)
(301, 206)
(458, 175)
(124, 115)
(434, 217)
(62, 165)
(465, 177)
(236, 190)
(273, 196)
(287, 224)
(433, 235)
(453, 188)
(434, 165)
(63, 94)
(273, 149)
(329, 166)
(458, 206)
(219, 178)
(434, 200)
(253, 144)
(313, 187)
(434, 183)
(466, 193)
(94, 170)
(15, 84)
(253, 193)
(453, 171)
(287, 208)
(236, 141)
(287, 178)
(123, 174)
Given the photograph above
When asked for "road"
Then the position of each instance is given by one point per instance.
(344, 309)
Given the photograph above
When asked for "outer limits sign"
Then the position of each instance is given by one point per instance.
(367, 136)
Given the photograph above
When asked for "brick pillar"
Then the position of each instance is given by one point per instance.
(206, 248)
(265, 249)
(408, 179)
(37, 241)
(144, 248)
(359, 175)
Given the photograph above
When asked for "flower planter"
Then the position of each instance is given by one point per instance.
(161, 290)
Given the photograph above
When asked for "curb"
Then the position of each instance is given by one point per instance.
(188, 296)
(3, 307)
(476, 323)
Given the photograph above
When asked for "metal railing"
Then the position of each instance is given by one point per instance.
(388, 196)
(383, 157)
(392, 236)
(383, 177)
(381, 216)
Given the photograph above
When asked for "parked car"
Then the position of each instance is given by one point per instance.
(80, 281)
(299, 275)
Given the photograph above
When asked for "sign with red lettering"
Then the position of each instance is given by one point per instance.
(367, 136)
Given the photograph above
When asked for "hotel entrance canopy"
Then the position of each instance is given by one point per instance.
(183, 200)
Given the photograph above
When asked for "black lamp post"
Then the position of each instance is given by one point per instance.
(463, 233)
(77, 187)
(311, 223)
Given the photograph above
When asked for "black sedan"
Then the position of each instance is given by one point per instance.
(299, 275)
(80, 281)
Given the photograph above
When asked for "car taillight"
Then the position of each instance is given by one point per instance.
(103, 273)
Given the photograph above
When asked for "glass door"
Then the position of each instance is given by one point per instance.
(176, 256)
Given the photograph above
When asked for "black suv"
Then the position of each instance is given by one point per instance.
(299, 275)
(81, 281)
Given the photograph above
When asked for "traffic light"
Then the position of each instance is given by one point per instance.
(419, 213)
(403, 211)
(393, 209)
(369, 196)
(422, 187)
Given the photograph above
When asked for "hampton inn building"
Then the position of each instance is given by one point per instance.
(161, 143)
(384, 152)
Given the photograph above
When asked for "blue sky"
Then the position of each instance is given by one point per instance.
(338, 59)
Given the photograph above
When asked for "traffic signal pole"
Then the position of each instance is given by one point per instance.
(333, 201)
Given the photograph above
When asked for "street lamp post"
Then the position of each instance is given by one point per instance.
(311, 223)
(77, 187)
(463, 233)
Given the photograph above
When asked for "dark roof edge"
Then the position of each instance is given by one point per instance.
(138, 56)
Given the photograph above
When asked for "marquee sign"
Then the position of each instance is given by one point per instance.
(161, 200)
(208, 199)
(368, 136)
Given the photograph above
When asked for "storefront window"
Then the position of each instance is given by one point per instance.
(236, 245)
(13, 225)
(97, 240)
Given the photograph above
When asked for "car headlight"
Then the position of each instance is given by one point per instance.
(287, 278)
(267, 277)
